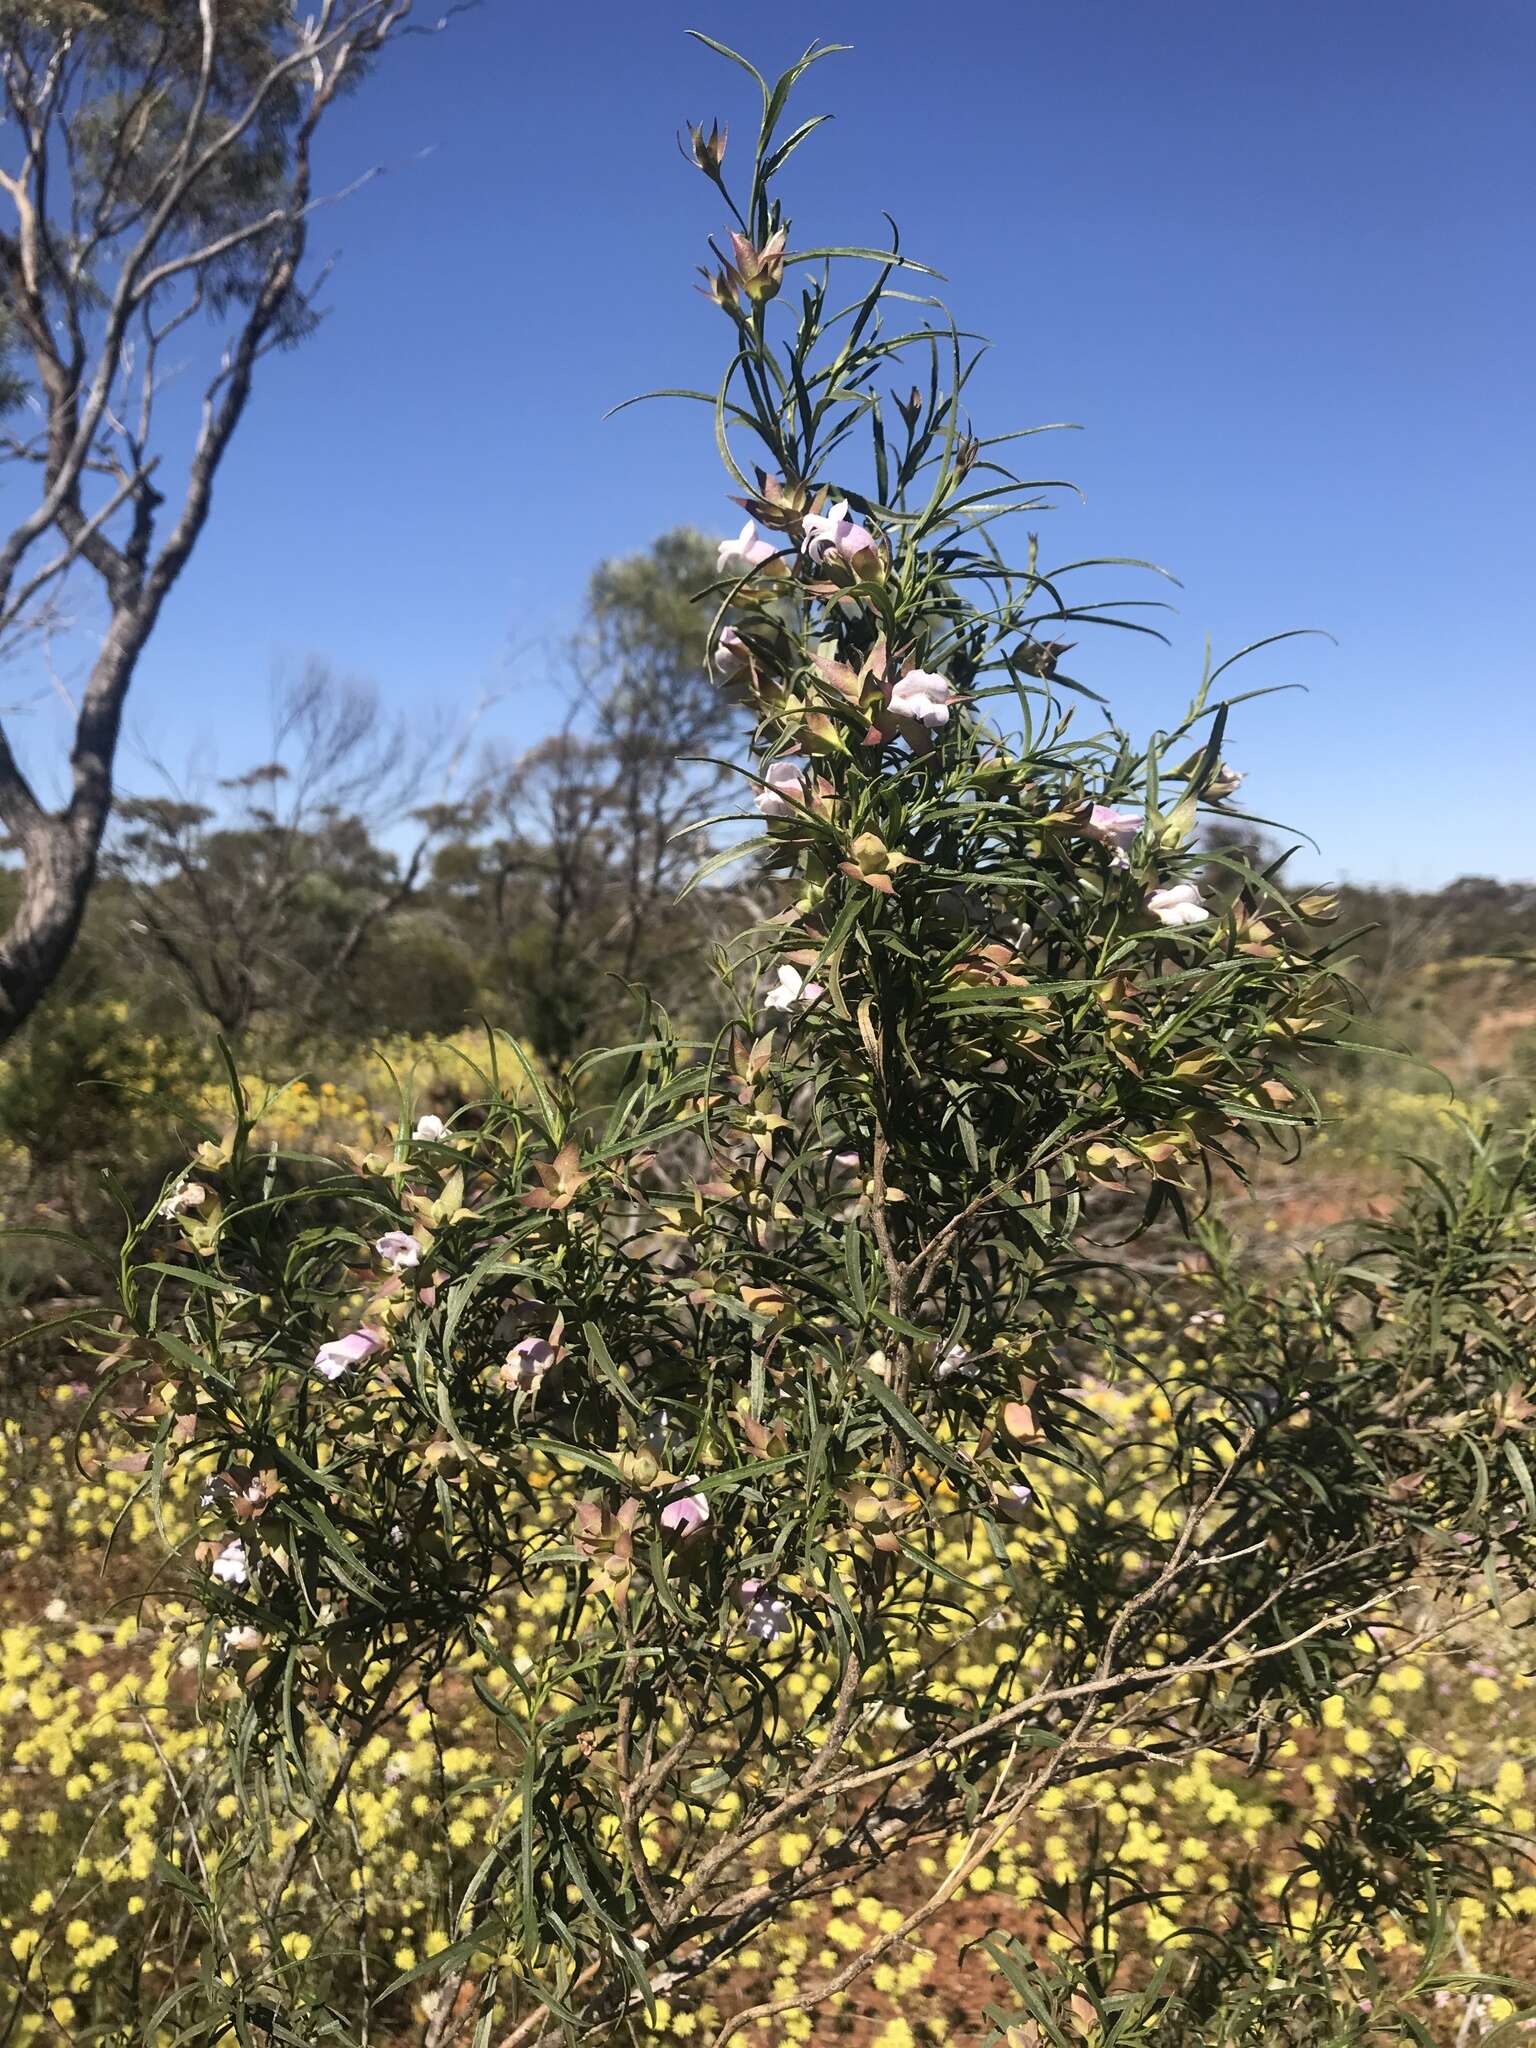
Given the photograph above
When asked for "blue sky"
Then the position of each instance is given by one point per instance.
(1276, 258)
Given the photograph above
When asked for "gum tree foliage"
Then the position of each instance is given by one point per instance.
(157, 165)
(782, 1376)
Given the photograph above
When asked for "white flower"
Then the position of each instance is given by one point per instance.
(767, 1616)
(739, 557)
(238, 1639)
(923, 696)
(527, 1363)
(687, 1514)
(430, 1129)
(1118, 830)
(835, 532)
(342, 1353)
(397, 1248)
(1177, 906)
(784, 789)
(230, 1564)
(792, 993)
(190, 1194)
(732, 653)
(957, 1359)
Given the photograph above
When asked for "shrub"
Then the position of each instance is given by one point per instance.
(778, 1381)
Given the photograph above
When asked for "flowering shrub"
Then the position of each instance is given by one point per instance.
(773, 1373)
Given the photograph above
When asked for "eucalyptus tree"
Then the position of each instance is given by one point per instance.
(158, 164)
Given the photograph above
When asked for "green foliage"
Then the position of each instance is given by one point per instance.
(751, 1373)
(1397, 1849)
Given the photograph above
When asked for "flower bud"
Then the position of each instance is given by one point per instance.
(640, 1469)
(759, 271)
(708, 151)
(1039, 657)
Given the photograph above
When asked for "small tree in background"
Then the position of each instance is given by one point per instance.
(576, 894)
(709, 1434)
(260, 906)
(158, 161)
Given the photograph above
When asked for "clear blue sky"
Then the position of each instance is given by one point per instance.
(1275, 255)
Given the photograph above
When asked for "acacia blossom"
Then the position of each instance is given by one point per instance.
(784, 789)
(1177, 906)
(739, 557)
(397, 1248)
(792, 993)
(926, 697)
(342, 1353)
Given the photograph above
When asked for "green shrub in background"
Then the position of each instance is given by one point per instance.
(791, 1374)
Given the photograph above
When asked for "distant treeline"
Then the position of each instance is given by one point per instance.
(1471, 918)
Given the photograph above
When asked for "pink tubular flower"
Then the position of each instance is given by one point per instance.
(230, 1565)
(1115, 829)
(397, 1248)
(1177, 906)
(732, 653)
(430, 1129)
(739, 557)
(835, 532)
(784, 789)
(342, 1353)
(526, 1364)
(686, 1515)
(792, 993)
(923, 696)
